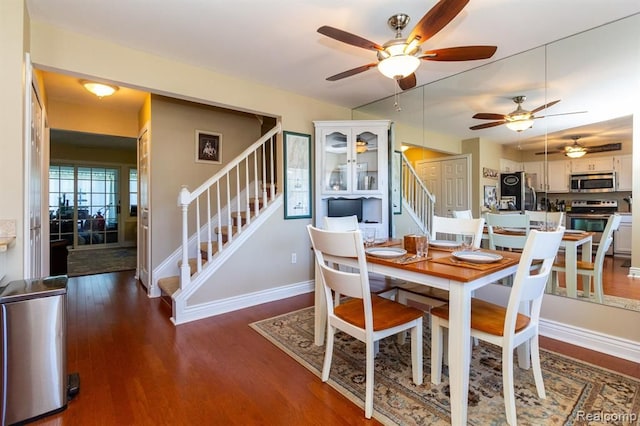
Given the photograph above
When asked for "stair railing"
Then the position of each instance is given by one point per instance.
(417, 196)
(250, 177)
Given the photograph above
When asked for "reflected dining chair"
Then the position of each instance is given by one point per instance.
(537, 218)
(507, 327)
(458, 227)
(365, 316)
(591, 269)
(463, 214)
(515, 222)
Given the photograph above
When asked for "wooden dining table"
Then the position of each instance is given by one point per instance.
(571, 240)
(443, 271)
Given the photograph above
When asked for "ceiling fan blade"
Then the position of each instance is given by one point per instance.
(488, 116)
(604, 148)
(487, 125)
(562, 113)
(461, 53)
(349, 38)
(436, 19)
(540, 108)
(408, 82)
(349, 73)
(555, 151)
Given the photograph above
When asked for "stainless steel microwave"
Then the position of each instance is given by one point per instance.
(593, 182)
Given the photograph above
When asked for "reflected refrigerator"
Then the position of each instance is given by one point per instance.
(517, 191)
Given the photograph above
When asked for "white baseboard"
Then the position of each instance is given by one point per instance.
(634, 272)
(610, 345)
(217, 307)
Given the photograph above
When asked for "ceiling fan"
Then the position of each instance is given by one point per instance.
(517, 120)
(577, 150)
(400, 57)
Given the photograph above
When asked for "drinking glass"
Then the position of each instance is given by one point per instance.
(369, 236)
(466, 243)
(422, 245)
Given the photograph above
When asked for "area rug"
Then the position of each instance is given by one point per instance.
(99, 261)
(615, 301)
(577, 392)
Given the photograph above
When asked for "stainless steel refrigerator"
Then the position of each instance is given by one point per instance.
(517, 191)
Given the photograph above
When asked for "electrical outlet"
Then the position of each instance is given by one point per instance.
(294, 258)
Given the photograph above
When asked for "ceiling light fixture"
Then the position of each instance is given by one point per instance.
(576, 150)
(520, 119)
(99, 89)
(398, 59)
(361, 146)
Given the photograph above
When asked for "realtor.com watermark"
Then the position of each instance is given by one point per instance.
(606, 418)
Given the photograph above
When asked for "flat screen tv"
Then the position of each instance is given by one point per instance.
(338, 207)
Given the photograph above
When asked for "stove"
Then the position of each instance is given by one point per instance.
(598, 207)
(592, 216)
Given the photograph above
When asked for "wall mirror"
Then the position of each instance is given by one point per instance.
(594, 75)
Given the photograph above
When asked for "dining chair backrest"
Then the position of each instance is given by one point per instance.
(458, 227)
(529, 283)
(613, 223)
(353, 282)
(544, 217)
(342, 223)
(463, 214)
(514, 222)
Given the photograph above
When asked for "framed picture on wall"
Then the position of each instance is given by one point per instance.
(297, 179)
(208, 147)
(490, 197)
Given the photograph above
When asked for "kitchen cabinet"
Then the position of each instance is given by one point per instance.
(352, 161)
(558, 173)
(623, 166)
(622, 237)
(509, 166)
(536, 168)
(593, 164)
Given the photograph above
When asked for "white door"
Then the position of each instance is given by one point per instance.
(36, 259)
(455, 186)
(144, 217)
(429, 173)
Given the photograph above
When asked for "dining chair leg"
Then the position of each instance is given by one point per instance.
(507, 384)
(597, 283)
(369, 375)
(416, 353)
(537, 368)
(328, 354)
(436, 351)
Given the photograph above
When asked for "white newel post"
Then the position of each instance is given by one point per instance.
(185, 270)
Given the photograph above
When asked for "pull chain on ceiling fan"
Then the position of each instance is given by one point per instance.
(400, 57)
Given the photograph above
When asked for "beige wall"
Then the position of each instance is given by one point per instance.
(92, 119)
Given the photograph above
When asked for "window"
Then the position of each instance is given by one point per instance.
(133, 192)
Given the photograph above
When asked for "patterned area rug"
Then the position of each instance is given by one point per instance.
(615, 301)
(99, 261)
(577, 393)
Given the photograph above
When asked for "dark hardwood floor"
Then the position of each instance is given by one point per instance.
(137, 368)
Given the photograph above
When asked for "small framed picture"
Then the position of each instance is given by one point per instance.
(208, 147)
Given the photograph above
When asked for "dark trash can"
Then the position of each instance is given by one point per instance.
(58, 257)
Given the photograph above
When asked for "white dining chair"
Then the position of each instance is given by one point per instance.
(537, 218)
(379, 284)
(507, 327)
(463, 214)
(592, 269)
(365, 316)
(519, 223)
(458, 227)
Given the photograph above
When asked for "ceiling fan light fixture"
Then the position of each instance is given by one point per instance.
(519, 124)
(398, 66)
(575, 151)
(99, 89)
(361, 146)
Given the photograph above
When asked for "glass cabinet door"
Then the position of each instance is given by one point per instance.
(335, 162)
(366, 161)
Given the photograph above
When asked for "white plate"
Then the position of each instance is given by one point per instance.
(476, 256)
(514, 229)
(443, 243)
(386, 252)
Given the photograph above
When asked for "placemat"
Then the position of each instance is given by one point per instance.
(404, 260)
(450, 260)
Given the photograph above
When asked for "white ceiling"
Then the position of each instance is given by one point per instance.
(275, 42)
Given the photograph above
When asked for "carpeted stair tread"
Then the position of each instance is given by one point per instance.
(169, 285)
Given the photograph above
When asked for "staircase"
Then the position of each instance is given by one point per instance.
(420, 203)
(218, 217)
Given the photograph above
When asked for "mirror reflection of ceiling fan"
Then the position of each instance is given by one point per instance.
(400, 57)
(577, 150)
(517, 120)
